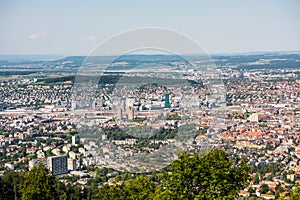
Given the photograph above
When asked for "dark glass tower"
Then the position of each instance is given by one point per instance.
(167, 100)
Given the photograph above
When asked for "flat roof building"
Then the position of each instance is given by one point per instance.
(58, 165)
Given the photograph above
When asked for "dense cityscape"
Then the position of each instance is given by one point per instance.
(149, 100)
(42, 123)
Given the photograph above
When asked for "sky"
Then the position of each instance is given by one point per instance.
(76, 27)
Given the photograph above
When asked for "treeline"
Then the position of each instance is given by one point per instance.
(21, 72)
(121, 79)
(106, 79)
(205, 175)
(136, 132)
(57, 79)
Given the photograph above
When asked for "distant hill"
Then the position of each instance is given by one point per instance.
(19, 65)
(260, 61)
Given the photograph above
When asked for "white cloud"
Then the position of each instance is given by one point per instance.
(91, 38)
(37, 35)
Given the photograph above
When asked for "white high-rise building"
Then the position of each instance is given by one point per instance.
(74, 140)
(71, 164)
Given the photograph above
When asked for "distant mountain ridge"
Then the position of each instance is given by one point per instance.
(72, 63)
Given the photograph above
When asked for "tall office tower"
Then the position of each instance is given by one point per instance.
(123, 104)
(74, 140)
(58, 165)
(119, 113)
(167, 100)
(131, 113)
(129, 104)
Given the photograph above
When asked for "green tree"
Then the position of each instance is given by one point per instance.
(264, 188)
(294, 195)
(141, 188)
(213, 176)
(107, 192)
(256, 179)
(74, 192)
(10, 186)
(251, 190)
(39, 184)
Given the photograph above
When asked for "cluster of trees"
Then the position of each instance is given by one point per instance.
(211, 175)
(192, 176)
(136, 132)
(38, 184)
(261, 170)
(107, 79)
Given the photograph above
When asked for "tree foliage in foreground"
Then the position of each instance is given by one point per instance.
(294, 195)
(38, 184)
(140, 188)
(193, 176)
(10, 186)
(213, 176)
